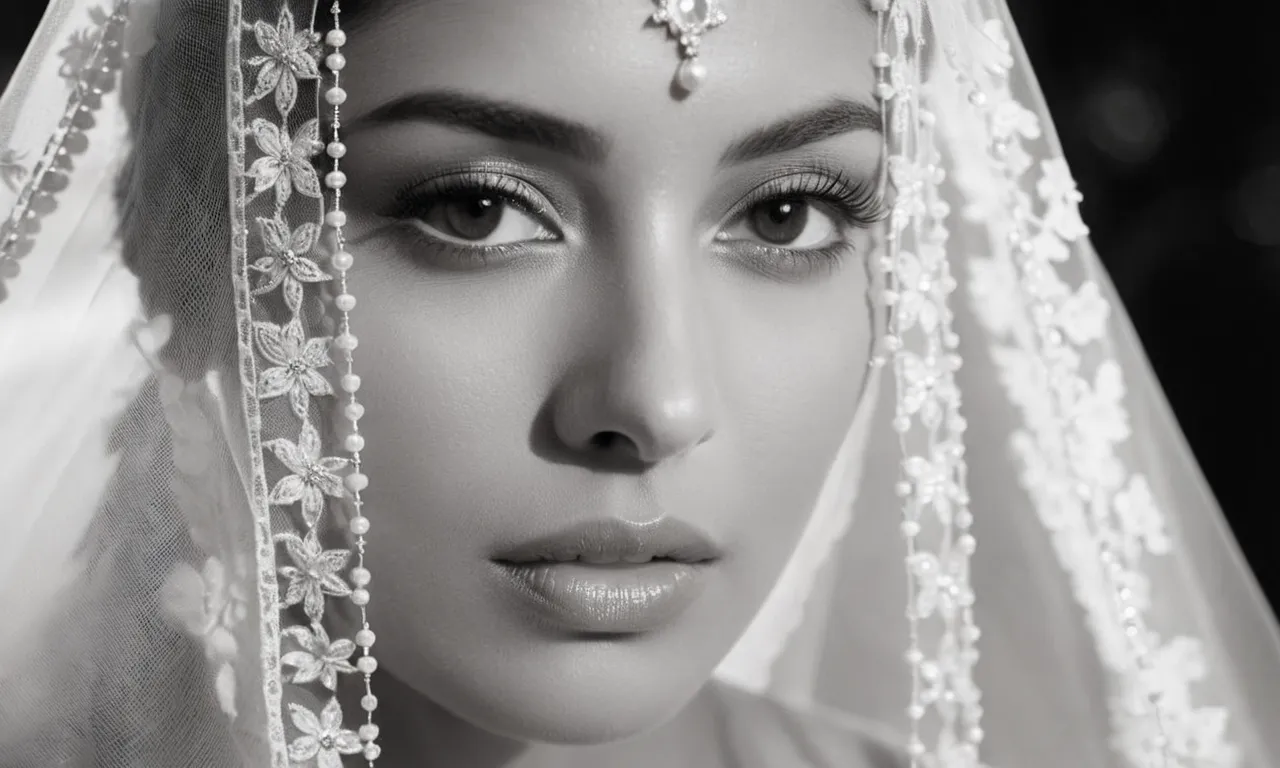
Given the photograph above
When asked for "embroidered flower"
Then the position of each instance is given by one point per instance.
(319, 658)
(928, 384)
(1083, 316)
(908, 183)
(1009, 119)
(295, 359)
(286, 260)
(1140, 519)
(1058, 189)
(290, 57)
(313, 477)
(323, 738)
(314, 573)
(12, 172)
(915, 284)
(209, 604)
(287, 165)
(933, 479)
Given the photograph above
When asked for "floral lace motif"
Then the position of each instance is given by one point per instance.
(288, 365)
(1105, 520)
(936, 518)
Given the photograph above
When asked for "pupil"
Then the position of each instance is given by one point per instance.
(780, 221)
(473, 218)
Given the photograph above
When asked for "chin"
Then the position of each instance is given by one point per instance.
(577, 693)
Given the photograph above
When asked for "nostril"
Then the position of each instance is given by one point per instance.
(607, 441)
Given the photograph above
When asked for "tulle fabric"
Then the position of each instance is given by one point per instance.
(141, 612)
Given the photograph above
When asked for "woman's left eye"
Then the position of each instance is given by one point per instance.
(795, 223)
(479, 219)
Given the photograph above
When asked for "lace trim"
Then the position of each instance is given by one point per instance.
(92, 60)
(1104, 520)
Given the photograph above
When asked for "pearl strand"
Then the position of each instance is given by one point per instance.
(346, 342)
(892, 343)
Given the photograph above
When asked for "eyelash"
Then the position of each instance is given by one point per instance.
(852, 204)
(414, 200)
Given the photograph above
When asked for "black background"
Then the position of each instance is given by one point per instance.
(1171, 122)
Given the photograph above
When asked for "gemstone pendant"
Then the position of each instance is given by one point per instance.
(686, 22)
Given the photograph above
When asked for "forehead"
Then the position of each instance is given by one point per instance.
(599, 61)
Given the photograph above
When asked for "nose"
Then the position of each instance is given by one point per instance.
(644, 392)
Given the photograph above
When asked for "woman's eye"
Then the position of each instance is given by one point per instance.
(479, 219)
(794, 223)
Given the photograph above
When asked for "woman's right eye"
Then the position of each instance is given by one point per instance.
(479, 219)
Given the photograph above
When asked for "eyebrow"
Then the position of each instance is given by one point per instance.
(517, 123)
(499, 119)
(835, 118)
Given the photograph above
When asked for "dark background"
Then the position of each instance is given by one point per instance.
(1171, 121)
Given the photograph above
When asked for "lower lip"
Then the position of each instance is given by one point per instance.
(608, 599)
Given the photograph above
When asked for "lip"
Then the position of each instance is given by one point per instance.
(611, 576)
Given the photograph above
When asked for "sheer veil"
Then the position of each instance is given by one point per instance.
(1015, 560)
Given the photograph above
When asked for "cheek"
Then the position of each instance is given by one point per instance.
(796, 368)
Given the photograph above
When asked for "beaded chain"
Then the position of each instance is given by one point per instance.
(346, 343)
(942, 633)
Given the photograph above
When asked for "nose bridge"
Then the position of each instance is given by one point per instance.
(650, 378)
(661, 367)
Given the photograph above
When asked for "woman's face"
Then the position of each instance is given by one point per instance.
(592, 311)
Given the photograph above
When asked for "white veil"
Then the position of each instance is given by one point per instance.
(1106, 617)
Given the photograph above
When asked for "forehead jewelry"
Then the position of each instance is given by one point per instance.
(687, 21)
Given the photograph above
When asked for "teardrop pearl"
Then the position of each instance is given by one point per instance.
(691, 74)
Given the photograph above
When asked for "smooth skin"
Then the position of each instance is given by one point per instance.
(614, 301)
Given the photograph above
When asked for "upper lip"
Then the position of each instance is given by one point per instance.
(617, 541)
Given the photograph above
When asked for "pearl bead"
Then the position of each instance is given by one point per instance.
(353, 411)
(368, 702)
(879, 6)
(354, 442)
(360, 597)
(336, 150)
(356, 482)
(335, 61)
(350, 383)
(336, 219)
(367, 665)
(336, 96)
(365, 638)
(372, 751)
(902, 488)
(881, 60)
(691, 74)
(360, 576)
(368, 732)
(901, 424)
(910, 529)
(335, 179)
(359, 526)
(336, 38)
(346, 342)
(915, 712)
(342, 261)
(345, 302)
(884, 91)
